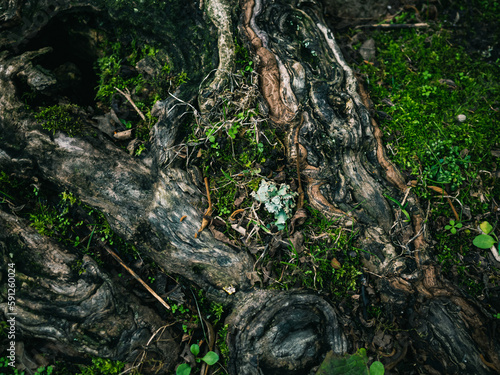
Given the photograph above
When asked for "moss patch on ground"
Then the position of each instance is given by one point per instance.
(438, 105)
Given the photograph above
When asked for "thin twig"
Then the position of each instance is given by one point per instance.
(437, 189)
(208, 212)
(406, 196)
(186, 103)
(300, 203)
(394, 26)
(129, 98)
(153, 293)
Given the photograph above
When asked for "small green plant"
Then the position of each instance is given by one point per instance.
(485, 241)
(179, 308)
(243, 59)
(127, 124)
(221, 341)
(449, 166)
(210, 359)
(233, 131)
(51, 221)
(277, 201)
(428, 90)
(453, 226)
(403, 208)
(217, 310)
(140, 149)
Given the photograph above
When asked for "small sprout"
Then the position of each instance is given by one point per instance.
(210, 359)
(453, 226)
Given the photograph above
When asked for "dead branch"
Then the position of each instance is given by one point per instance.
(129, 98)
(119, 260)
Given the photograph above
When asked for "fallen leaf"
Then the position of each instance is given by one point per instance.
(448, 82)
(298, 218)
(239, 229)
(336, 264)
(297, 240)
(241, 197)
(221, 236)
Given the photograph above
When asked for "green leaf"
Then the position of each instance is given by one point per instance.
(459, 225)
(486, 227)
(183, 369)
(452, 222)
(483, 241)
(408, 219)
(453, 231)
(195, 349)
(447, 227)
(377, 368)
(210, 358)
(393, 200)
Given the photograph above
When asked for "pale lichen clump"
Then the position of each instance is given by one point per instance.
(277, 201)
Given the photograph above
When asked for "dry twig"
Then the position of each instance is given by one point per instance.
(153, 293)
(129, 98)
(208, 212)
(300, 203)
(394, 26)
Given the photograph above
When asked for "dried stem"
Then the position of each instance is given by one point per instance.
(119, 260)
(129, 98)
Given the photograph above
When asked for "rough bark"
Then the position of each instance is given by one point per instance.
(310, 92)
(74, 312)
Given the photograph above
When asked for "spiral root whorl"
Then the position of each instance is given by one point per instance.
(282, 333)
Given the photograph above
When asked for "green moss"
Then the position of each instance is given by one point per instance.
(66, 118)
(431, 82)
(420, 84)
(102, 366)
(243, 60)
(116, 71)
(76, 225)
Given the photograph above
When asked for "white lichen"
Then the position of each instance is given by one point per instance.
(277, 201)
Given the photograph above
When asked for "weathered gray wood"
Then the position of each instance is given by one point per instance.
(72, 310)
